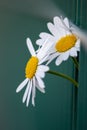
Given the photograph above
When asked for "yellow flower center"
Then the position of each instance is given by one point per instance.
(66, 43)
(31, 67)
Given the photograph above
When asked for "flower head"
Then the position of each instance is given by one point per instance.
(65, 42)
(34, 72)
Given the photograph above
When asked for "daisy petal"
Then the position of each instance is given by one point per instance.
(78, 49)
(43, 60)
(40, 42)
(26, 92)
(52, 57)
(73, 52)
(44, 35)
(40, 82)
(22, 85)
(44, 49)
(29, 93)
(43, 68)
(65, 55)
(33, 92)
(39, 88)
(66, 21)
(57, 21)
(58, 60)
(52, 29)
(59, 25)
(40, 73)
(77, 44)
(30, 47)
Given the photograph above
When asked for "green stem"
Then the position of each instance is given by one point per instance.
(63, 76)
(75, 62)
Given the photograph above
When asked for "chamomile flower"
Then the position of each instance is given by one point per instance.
(34, 72)
(65, 42)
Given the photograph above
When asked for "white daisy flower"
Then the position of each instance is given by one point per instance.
(65, 42)
(34, 72)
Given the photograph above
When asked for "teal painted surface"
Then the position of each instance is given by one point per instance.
(54, 110)
(82, 93)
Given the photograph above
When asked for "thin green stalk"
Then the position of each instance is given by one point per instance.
(75, 62)
(63, 76)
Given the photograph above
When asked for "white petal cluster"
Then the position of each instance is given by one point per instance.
(36, 81)
(59, 28)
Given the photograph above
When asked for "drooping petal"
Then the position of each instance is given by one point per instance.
(39, 88)
(41, 70)
(40, 73)
(22, 85)
(40, 82)
(26, 92)
(30, 47)
(29, 93)
(33, 92)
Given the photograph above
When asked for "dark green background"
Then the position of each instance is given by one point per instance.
(62, 107)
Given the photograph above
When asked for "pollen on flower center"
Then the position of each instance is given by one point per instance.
(66, 43)
(31, 67)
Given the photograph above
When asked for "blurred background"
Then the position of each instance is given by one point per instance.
(62, 107)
